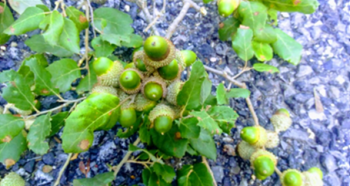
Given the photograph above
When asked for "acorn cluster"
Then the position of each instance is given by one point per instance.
(256, 139)
(152, 79)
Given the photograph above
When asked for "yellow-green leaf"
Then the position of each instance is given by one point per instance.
(6, 19)
(263, 51)
(38, 44)
(303, 6)
(261, 67)
(69, 38)
(254, 14)
(38, 132)
(21, 5)
(11, 152)
(54, 30)
(242, 43)
(287, 48)
(10, 127)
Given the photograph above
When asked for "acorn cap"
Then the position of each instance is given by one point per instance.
(161, 110)
(144, 104)
(177, 110)
(111, 78)
(317, 171)
(173, 90)
(281, 122)
(292, 177)
(136, 89)
(311, 179)
(106, 89)
(160, 63)
(272, 139)
(244, 150)
(156, 80)
(189, 57)
(126, 104)
(260, 153)
(255, 136)
(12, 179)
(156, 48)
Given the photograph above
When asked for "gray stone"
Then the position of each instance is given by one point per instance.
(303, 70)
(218, 172)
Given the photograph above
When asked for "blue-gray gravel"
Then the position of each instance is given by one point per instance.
(315, 139)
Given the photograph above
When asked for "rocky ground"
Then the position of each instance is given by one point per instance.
(315, 139)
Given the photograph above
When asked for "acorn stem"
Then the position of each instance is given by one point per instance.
(279, 173)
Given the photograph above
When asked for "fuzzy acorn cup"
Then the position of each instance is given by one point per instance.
(255, 136)
(107, 71)
(227, 7)
(162, 117)
(263, 163)
(281, 120)
(12, 179)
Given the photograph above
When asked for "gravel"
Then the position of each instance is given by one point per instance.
(315, 139)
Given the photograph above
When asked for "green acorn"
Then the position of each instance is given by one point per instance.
(143, 104)
(189, 57)
(138, 59)
(158, 51)
(292, 177)
(264, 163)
(227, 7)
(245, 150)
(317, 171)
(255, 136)
(154, 88)
(107, 71)
(272, 139)
(127, 117)
(281, 120)
(106, 89)
(130, 80)
(311, 179)
(12, 179)
(162, 117)
(170, 71)
(173, 90)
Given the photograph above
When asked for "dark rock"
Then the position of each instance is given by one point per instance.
(29, 166)
(49, 158)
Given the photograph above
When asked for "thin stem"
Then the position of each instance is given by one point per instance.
(221, 73)
(117, 168)
(92, 18)
(63, 169)
(209, 169)
(251, 109)
(279, 173)
(144, 163)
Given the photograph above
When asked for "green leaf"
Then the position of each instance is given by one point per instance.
(98, 111)
(21, 5)
(114, 25)
(197, 174)
(69, 38)
(6, 19)
(265, 35)
(191, 151)
(188, 128)
(263, 51)
(144, 133)
(207, 1)
(17, 90)
(38, 44)
(64, 72)
(211, 100)
(24, 70)
(99, 180)
(242, 43)
(221, 95)
(254, 14)
(11, 152)
(157, 180)
(102, 48)
(165, 171)
(131, 130)
(238, 93)
(150, 155)
(136, 41)
(53, 32)
(87, 82)
(261, 67)
(10, 127)
(188, 96)
(287, 48)
(38, 132)
(42, 78)
(228, 28)
(43, 7)
(168, 144)
(204, 145)
(225, 116)
(206, 89)
(207, 122)
(78, 18)
(303, 6)
(57, 122)
(28, 21)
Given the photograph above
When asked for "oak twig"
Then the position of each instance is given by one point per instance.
(63, 169)
(117, 168)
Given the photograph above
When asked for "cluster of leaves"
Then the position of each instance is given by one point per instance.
(252, 29)
(30, 128)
